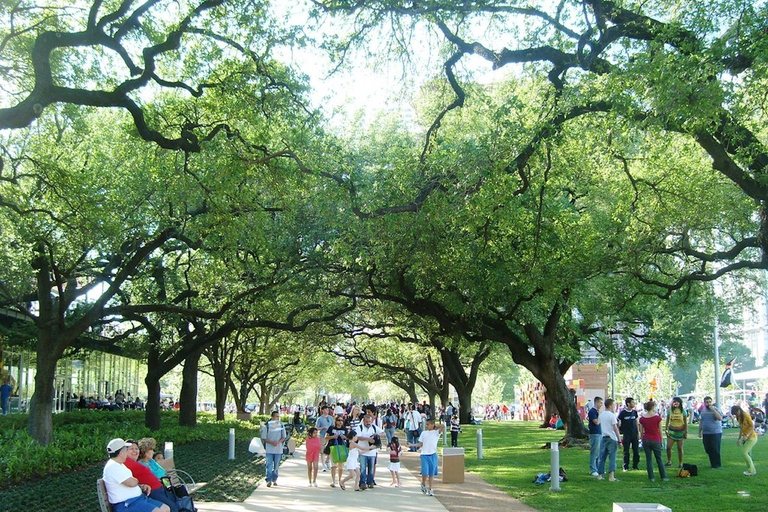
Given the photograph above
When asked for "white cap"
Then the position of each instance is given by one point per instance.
(116, 445)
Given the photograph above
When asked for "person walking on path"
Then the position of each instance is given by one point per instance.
(313, 446)
(628, 427)
(711, 430)
(273, 436)
(595, 435)
(609, 444)
(353, 461)
(747, 438)
(677, 430)
(394, 460)
(369, 436)
(336, 444)
(428, 443)
(650, 432)
(413, 424)
(322, 424)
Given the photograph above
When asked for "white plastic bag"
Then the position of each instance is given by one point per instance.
(256, 447)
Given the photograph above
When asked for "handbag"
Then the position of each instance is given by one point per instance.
(180, 494)
(257, 447)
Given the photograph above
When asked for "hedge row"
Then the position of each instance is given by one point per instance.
(81, 437)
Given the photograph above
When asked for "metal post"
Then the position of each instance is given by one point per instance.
(718, 404)
(231, 444)
(555, 467)
(479, 444)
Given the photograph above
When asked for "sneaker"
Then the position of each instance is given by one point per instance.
(424, 488)
(749, 473)
(665, 479)
(274, 483)
(430, 492)
(314, 484)
(269, 484)
(594, 473)
(668, 464)
(652, 479)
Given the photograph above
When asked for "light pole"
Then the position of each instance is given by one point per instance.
(717, 369)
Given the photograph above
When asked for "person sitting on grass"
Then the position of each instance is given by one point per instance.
(123, 489)
(428, 444)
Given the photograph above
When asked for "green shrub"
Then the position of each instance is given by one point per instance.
(81, 437)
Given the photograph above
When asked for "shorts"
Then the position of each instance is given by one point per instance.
(429, 465)
(137, 504)
(394, 466)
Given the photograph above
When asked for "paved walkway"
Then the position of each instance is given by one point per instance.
(294, 494)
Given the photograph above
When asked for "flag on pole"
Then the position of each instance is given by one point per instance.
(725, 380)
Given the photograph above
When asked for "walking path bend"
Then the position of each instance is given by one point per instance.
(294, 494)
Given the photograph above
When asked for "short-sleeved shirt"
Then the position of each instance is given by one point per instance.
(628, 423)
(429, 440)
(143, 474)
(593, 414)
(369, 431)
(114, 475)
(651, 428)
(708, 421)
(323, 423)
(274, 431)
(607, 421)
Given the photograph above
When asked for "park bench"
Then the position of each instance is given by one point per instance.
(178, 477)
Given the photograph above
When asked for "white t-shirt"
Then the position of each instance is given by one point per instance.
(429, 440)
(114, 475)
(607, 421)
(415, 419)
(364, 431)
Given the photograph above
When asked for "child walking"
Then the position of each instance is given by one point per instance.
(313, 446)
(353, 464)
(455, 429)
(428, 444)
(394, 460)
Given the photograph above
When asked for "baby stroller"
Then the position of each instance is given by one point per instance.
(758, 417)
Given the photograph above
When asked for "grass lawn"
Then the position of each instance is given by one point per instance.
(513, 455)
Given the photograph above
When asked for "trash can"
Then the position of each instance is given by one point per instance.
(453, 465)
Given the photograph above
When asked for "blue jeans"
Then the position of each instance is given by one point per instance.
(608, 449)
(594, 451)
(367, 469)
(413, 437)
(273, 463)
(653, 447)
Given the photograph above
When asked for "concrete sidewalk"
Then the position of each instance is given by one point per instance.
(294, 494)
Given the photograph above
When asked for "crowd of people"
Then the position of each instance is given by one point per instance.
(658, 429)
(345, 440)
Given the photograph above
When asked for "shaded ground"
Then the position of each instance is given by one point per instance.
(206, 461)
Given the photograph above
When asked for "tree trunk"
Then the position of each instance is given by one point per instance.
(40, 422)
(152, 407)
(464, 405)
(221, 396)
(188, 395)
(561, 397)
(152, 380)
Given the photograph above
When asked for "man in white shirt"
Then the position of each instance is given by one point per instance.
(413, 420)
(123, 490)
(367, 435)
(428, 443)
(609, 445)
(273, 436)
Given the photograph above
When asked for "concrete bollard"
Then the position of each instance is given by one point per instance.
(555, 467)
(168, 450)
(479, 444)
(231, 444)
